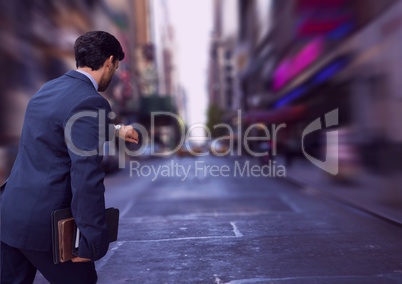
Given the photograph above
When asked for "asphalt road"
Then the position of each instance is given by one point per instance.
(226, 224)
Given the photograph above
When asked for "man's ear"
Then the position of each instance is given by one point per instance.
(111, 59)
(109, 62)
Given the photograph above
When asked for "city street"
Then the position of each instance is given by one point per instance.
(301, 97)
(239, 229)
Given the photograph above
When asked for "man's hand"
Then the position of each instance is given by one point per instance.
(128, 134)
(80, 259)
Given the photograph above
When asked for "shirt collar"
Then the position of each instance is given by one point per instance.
(90, 78)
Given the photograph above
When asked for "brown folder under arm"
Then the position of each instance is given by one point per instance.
(64, 231)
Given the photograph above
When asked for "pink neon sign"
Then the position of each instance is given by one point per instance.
(291, 67)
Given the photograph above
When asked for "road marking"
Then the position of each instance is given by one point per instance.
(206, 214)
(103, 261)
(236, 230)
(264, 280)
(127, 209)
(290, 203)
(118, 244)
(180, 239)
(217, 280)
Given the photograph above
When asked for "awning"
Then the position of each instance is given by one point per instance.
(311, 78)
(285, 114)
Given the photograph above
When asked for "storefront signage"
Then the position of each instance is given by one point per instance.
(291, 67)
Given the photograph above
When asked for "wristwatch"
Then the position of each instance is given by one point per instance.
(117, 128)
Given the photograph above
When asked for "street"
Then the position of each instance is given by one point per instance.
(238, 229)
(297, 106)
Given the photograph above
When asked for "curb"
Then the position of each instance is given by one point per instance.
(313, 191)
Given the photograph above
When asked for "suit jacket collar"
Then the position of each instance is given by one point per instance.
(78, 75)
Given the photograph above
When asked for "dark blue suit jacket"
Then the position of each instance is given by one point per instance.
(48, 175)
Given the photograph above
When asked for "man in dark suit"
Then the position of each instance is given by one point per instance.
(59, 166)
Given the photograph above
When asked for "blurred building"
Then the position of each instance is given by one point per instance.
(140, 79)
(222, 67)
(256, 45)
(181, 102)
(294, 61)
(166, 57)
(166, 51)
(316, 71)
(145, 49)
(226, 59)
(157, 72)
(37, 45)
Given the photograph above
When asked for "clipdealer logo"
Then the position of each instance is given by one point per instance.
(330, 164)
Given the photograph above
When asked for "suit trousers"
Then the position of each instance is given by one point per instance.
(19, 266)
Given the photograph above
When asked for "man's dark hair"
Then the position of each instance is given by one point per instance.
(93, 48)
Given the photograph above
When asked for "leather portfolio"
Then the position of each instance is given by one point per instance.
(64, 233)
(66, 239)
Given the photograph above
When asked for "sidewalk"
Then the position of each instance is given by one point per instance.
(378, 195)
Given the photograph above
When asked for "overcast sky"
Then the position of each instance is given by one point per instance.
(192, 21)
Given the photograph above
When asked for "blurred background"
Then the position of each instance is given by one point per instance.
(278, 61)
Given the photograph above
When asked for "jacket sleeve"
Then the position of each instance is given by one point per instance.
(85, 132)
